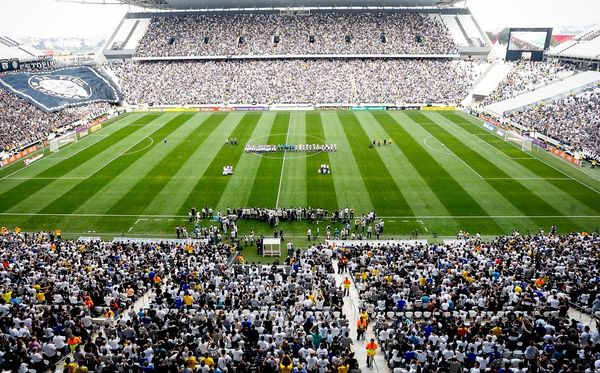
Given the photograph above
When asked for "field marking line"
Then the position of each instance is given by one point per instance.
(125, 151)
(423, 224)
(541, 160)
(283, 163)
(468, 122)
(567, 175)
(434, 149)
(46, 178)
(83, 178)
(134, 224)
(50, 158)
(91, 215)
(452, 153)
(527, 178)
(486, 217)
(144, 148)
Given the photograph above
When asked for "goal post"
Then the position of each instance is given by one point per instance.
(58, 142)
(527, 145)
(524, 142)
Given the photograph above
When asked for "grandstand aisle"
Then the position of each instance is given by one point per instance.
(352, 312)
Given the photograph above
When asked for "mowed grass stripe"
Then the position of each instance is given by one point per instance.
(22, 191)
(80, 197)
(567, 194)
(211, 185)
(584, 194)
(455, 199)
(320, 191)
(181, 185)
(143, 156)
(383, 191)
(238, 189)
(490, 201)
(583, 175)
(294, 182)
(510, 151)
(20, 172)
(149, 186)
(418, 193)
(350, 189)
(524, 199)
(493, 203)
(58, 159)
(266, 183)
(129, 165)
(95, 166)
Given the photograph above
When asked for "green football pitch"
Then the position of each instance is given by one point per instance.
(442, 173)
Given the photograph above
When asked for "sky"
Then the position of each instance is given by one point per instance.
(51, 18)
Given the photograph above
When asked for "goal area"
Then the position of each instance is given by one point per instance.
(58, 142)
(522, 141)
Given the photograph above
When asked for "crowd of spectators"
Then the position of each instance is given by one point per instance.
(53, 289)
(572, 120)
(527, 76)
(278, 34)
(476, 306)
(22, 123)
(202, 314)
(312, 81)
(466, 304)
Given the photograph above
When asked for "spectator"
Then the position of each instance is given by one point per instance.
(283, 34)
(314, 81)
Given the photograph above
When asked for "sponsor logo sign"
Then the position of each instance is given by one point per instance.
(15, 157)
(30, 160)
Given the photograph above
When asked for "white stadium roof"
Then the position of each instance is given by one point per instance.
(583, 46)
(228, 4)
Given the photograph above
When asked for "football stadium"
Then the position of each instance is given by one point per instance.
(316, 186)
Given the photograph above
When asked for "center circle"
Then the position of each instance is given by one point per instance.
(263, 140)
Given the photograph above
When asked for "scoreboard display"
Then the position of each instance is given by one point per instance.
(528, 43)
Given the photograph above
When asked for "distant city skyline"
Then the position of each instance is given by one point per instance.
(53, 18)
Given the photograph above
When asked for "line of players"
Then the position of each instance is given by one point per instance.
(305, 148)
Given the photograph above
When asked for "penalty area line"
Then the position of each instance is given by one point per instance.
(423, 224)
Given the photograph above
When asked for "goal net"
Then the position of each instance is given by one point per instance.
(58, 142)
(515, 137)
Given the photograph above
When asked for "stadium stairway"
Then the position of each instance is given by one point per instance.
(548, 93)
(350, 309)
(463, 31)
(488, 81)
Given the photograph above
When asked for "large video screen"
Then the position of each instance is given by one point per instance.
(530, 41)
